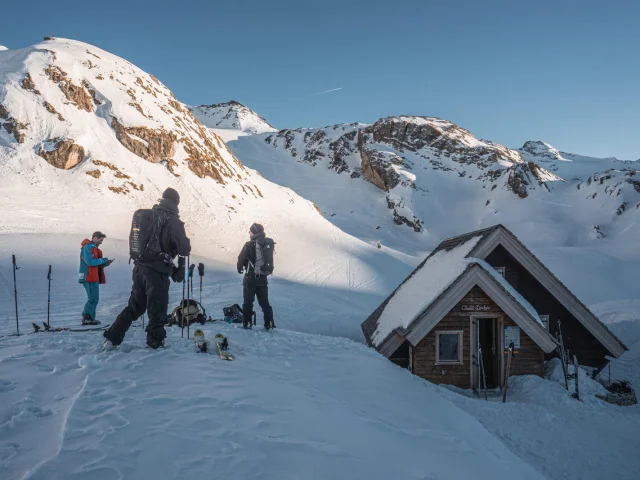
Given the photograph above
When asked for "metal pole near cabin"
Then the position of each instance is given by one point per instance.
(49, 298)
(15, 293)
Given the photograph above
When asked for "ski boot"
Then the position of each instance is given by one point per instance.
(87, 320)
(269, 325)
(154, 342)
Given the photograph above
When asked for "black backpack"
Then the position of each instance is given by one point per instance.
(232, 313)
(264, 257)
(144, 239)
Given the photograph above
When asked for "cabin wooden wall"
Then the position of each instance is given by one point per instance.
(577, 339)
(529, 361)
(530, 357)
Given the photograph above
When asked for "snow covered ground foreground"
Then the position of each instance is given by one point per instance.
(290, 405)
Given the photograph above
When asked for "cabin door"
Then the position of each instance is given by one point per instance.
(485, 352)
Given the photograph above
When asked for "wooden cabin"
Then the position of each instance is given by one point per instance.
(469, 299)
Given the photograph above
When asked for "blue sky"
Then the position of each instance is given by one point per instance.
(564, 71)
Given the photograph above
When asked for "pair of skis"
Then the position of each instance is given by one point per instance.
(222, 345)
(564, 358)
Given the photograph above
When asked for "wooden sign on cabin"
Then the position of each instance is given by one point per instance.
(475, 308)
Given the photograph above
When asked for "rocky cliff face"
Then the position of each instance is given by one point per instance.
(79, 98)
(396, 152)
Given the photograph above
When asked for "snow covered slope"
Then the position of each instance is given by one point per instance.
(87, 138)
(411, 181)
(231, 116)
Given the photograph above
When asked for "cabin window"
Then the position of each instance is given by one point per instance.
(448, 347)
(501, 270)
(545, 321)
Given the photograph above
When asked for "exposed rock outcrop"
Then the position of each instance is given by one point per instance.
(12, 126)
(27, 84)
(51, 109)
(378, 169)
(76, 95)
(152, 145)
(64, 154)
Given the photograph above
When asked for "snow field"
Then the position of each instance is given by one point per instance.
(290, 405)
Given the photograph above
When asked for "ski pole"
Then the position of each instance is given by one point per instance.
(15, 292)
(49, 298)
(191, 268)
(201, 273)
(188, 297)
(184, 279)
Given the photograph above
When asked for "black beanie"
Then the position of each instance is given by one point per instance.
(256, 228)
(171, 194)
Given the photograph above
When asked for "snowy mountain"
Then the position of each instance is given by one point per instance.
(231, 116)
(88, 137)
(2, 47)
(423, 168)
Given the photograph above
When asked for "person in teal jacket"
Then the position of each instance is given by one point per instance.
(91, 275)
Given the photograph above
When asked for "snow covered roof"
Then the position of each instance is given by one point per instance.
(430, 279)
(450, 271)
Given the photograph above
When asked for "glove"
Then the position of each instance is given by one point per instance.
(178, 272)
(108, 262)
(240, 271)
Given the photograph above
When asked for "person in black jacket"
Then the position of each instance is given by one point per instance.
(150, 291)
(254, 285)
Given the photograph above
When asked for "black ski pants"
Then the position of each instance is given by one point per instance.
(256, 288)
(150, 293)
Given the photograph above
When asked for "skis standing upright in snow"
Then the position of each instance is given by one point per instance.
(576, 367)
(483, 374)
(563, 357)
(507, 371)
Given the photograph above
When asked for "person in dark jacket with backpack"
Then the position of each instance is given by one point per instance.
(255, 283)
(151, 273)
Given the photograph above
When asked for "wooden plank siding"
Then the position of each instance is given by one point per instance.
(577, 339)
(530, 357)
(529, 361)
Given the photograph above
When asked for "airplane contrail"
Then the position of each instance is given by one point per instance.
(327, 91)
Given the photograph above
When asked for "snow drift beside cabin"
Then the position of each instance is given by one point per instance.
(422, 288)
